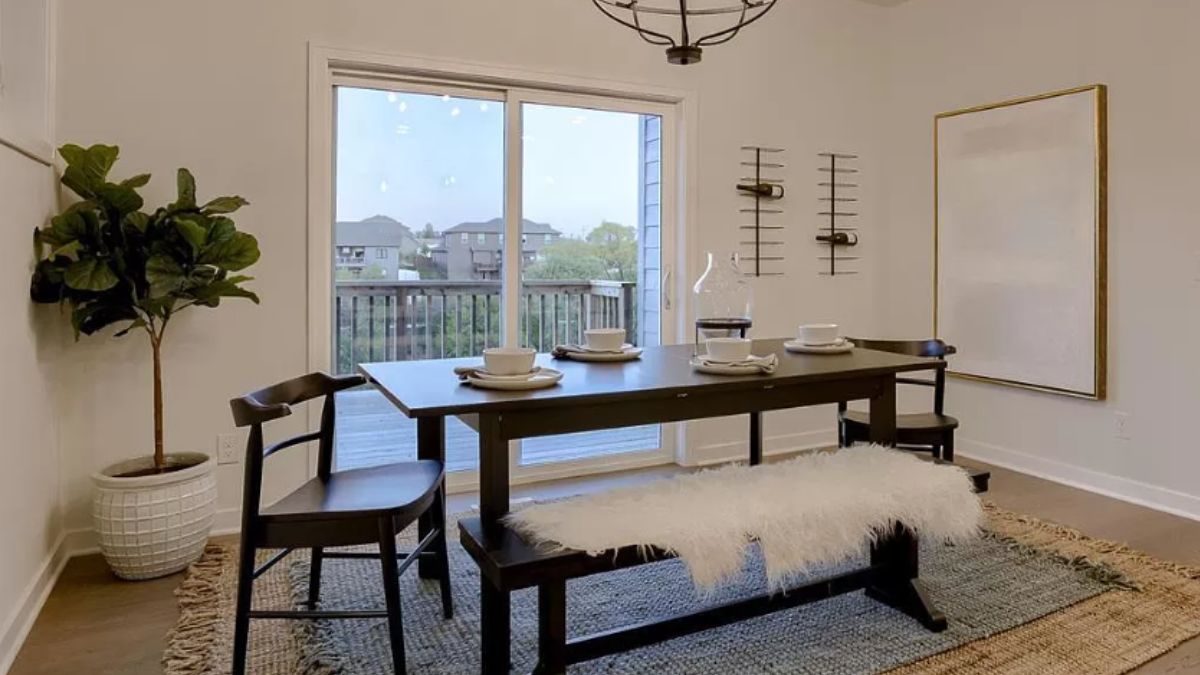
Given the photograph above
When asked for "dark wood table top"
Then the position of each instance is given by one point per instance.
(429, 388)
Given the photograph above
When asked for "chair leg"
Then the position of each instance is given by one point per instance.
(948, 447)
(391, 592)
(314, 576)
(936, 449)
(841, 428)
(443, 555)
(245, 594)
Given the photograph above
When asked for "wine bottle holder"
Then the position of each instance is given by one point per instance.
(762, 239)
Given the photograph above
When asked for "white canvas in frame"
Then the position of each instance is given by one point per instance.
(1020, 237)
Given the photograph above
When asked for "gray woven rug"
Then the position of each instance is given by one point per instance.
(985, 587)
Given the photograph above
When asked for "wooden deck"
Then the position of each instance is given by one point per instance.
(370, 430)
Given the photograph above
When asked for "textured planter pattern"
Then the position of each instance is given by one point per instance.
(154, 526)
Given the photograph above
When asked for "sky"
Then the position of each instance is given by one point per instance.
(423, 158)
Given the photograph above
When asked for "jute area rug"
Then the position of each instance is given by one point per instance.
(1028, 597)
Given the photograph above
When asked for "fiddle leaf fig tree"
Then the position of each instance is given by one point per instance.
(112, 261)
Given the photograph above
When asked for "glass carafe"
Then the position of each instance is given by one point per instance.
(724, 300)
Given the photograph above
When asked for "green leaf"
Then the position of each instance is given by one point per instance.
(164, 274)
(137, 220)
(67, 227)
(137, 181)
(137, 323)
(93, 316)
(193, 231)
(222, 229)
(87, 168)
(224, 205)
(119, 197)
(186, 185)
(90, 274)
(46, 286)
(210, 295)
(69, 250)
(236, 253)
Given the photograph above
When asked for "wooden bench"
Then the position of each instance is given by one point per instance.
(510, 563)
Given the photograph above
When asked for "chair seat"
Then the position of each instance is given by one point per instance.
(392, 489)
(908, 422)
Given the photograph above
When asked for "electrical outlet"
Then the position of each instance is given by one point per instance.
(1121, 426)
(227, 448)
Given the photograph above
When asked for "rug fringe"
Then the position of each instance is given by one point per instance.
(191, 640)
(319, 653)
(1098, 557)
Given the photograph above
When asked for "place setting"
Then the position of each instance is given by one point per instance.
(819, 338)
(732, 356)
(509, 369)
(600, 345)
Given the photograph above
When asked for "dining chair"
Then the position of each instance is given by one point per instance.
(333, 509)
(934, 430)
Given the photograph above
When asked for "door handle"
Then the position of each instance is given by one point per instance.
(666, 288)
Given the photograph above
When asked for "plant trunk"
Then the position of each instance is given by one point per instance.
(160, 459)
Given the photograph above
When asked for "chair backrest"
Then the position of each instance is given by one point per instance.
(930, 348)
(258, 407)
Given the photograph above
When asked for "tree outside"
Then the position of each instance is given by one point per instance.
(607, 253)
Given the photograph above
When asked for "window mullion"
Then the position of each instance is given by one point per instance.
(511, 250)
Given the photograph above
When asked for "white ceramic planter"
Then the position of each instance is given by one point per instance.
(151, 526)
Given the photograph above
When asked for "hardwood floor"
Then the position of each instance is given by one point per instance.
(94, 624)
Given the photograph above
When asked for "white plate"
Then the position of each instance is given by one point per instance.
(482, 374)
(843, 346)
(545, 377)
(724, 368)
(624, 348)
(629, 354)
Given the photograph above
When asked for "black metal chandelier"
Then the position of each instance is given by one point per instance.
(654, 23)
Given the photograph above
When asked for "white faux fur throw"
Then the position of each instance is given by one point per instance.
(818, 509)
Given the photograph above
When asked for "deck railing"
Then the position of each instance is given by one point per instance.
(433, 319)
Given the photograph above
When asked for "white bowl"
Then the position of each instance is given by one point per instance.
(604, 339)
(819, 334)
(509, 360)
(728, 349)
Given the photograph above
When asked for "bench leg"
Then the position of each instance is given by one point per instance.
(495, 628)
(552, 628)
(899, 587)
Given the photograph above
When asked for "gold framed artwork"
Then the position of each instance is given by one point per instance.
(1020, 241)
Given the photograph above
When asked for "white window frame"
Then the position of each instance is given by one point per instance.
(330, 66)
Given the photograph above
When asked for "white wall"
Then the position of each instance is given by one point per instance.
(949, 54)
(220, 87)
(29, 488)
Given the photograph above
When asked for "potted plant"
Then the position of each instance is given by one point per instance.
(111, 262)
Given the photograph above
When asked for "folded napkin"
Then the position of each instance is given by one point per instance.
(764, 364)
(465, 372)
(563, 351)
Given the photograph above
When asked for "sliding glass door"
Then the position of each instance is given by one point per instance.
(475, 217)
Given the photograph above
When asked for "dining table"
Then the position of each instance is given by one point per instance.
(660, 387)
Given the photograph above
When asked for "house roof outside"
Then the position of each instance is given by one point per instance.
(496, 226)
(376, 231)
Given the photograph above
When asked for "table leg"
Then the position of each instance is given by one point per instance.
(756, 438)
(494, 607)
(883, 413)
(431, 444)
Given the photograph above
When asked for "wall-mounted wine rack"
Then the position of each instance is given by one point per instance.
(838, 203)
(762, 238)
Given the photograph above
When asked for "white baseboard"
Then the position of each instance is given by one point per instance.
(18, 623)
(735, 451)
(1125, 489)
